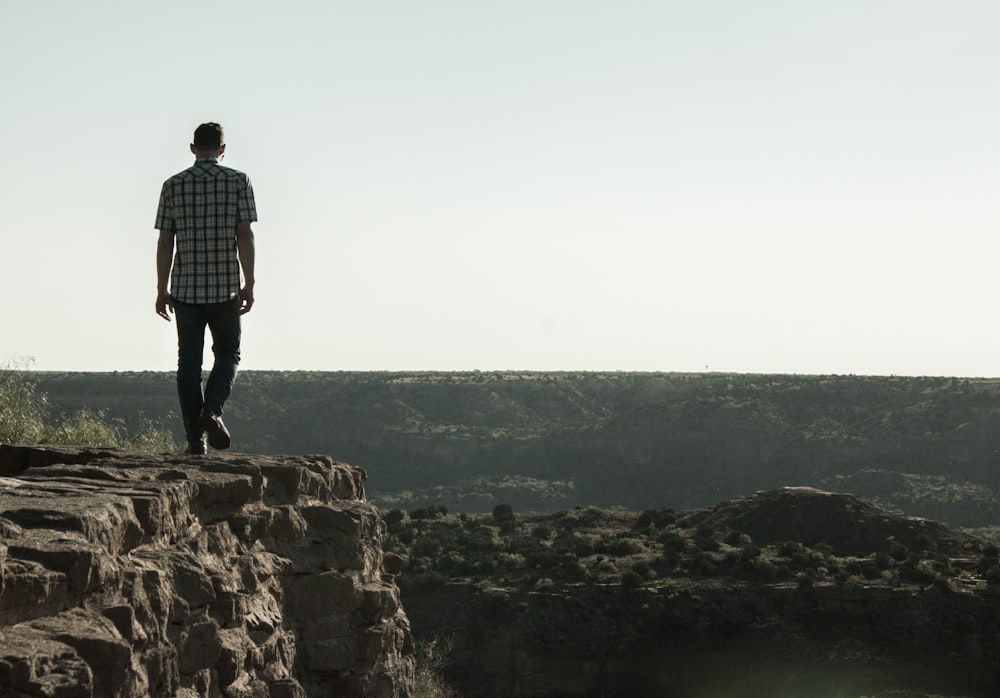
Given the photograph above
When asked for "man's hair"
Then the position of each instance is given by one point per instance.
(208, 136)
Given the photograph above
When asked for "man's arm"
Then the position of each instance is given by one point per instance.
(164, 260)
(245, 249)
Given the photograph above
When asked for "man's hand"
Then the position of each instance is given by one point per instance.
(246, 299)
(163, 304)
(164, 259)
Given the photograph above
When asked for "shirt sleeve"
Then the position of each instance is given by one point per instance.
(247, 208)
(164, 211)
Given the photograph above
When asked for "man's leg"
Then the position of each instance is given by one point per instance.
(224, 323)
(191, 321)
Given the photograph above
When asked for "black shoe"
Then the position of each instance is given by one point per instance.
(196, 448)
(218, 435)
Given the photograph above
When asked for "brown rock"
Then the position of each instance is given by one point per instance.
(134, 575)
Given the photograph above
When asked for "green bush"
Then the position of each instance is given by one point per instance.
(899, 552)
(883, 561)
(736, 539)
(580, 544)
(789, 548)
(503, 513)
(22, 408)
(669, 560)
(432, 658)
(452, 561)
(482, 539)
(709, 544)
(542, 531)
(705, 564)
(870, 570)
(23, 412)
(632, 580)
(919, 572)
(422, 581)
(656, 519)
(628, 546)
(572, 568)
(152, 439)
(94, 428)
(435, 511)
(543, 559)
(824, 548)
(760, 568)
(672, 540)
(510, 561)
(427, 546)
(84, 428)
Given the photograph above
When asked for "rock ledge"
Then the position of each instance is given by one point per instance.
(132, 575)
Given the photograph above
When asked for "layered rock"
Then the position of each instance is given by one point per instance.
(131, 575)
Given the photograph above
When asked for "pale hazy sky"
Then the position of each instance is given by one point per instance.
(797, 186)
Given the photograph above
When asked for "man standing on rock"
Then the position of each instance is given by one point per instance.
(205, 214)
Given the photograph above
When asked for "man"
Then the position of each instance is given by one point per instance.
(205, 214)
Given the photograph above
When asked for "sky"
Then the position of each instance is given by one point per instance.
(776, 186)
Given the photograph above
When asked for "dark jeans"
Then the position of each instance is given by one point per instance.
(223, 320)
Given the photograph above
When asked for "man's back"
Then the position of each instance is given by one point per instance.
(203, 206)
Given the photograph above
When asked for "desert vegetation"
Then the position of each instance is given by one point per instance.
(553, 441)
(640, 599)
(632, 550)
(614, 552)
(432, 658)
(26, 417)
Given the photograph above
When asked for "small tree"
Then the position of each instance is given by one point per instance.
(632, 580)
(434, 511)
(503, 513)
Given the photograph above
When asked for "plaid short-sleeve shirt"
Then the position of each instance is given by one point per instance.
(202, 206)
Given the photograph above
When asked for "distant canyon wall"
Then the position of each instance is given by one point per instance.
(548, 441)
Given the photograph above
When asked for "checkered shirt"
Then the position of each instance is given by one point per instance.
(203, 205)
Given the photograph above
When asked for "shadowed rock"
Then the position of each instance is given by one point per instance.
(132, 575)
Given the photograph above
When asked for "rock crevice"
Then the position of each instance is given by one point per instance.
(130, 575)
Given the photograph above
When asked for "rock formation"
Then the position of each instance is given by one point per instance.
(133, 575)
(790, 592)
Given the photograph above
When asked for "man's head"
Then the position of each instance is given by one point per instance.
(208, 140)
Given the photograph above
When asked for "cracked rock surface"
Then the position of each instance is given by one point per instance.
(131, 575)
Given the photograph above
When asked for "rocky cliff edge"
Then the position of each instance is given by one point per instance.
(132, 575)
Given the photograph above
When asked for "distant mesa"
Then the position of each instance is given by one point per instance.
(849, 524)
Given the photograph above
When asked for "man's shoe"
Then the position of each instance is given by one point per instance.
(196, 448)
(218, 435)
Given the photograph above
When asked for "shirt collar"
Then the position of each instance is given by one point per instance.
(207, 159)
